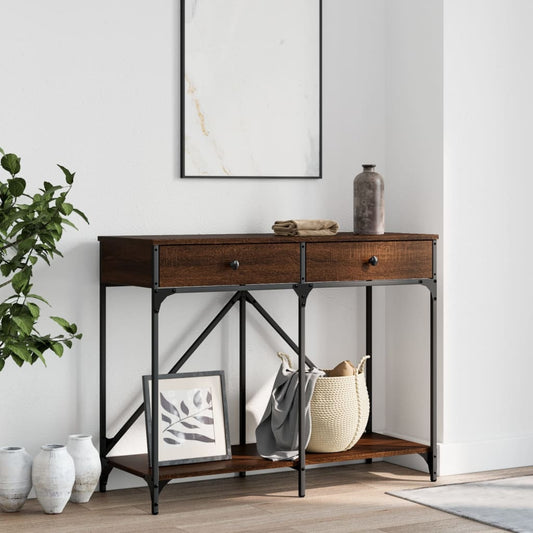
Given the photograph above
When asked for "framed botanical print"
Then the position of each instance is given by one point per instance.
(193, 423)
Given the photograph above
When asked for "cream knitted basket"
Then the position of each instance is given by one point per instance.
(339, 411)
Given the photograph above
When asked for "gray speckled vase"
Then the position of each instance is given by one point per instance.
(368, 202)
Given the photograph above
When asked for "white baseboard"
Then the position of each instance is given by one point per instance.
(466, 457)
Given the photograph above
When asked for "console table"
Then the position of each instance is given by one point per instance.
(168, 265)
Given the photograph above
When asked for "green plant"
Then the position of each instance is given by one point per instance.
(30, 228)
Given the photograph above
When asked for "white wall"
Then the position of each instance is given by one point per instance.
(95, 86)
(488, 113)
(414, 202)
(458, 136)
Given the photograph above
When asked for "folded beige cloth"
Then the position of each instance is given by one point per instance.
(305, 227)
(346, 368)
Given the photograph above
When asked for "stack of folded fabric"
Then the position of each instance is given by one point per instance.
(305, 227)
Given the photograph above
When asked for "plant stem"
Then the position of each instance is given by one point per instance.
(188, 416)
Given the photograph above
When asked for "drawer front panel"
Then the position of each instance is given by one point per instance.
(349, 261)
(196, 265)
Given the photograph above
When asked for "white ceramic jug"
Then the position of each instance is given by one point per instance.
(53, 477)
(87, 467)
(15, 477)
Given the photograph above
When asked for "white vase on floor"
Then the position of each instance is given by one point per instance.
(53, 477)
(87, 467)
(15, 477)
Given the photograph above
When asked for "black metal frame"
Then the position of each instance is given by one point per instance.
(182, 106)
(242, 296)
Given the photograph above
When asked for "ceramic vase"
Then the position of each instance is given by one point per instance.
(53, 477)
(368, 202)
(15, 478)
(86, 465)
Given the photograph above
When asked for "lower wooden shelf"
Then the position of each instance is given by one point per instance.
(245, 458)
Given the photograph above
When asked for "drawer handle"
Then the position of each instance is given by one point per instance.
(373, 260)
(235, 264)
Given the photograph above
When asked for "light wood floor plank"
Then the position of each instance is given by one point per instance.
(339, 499)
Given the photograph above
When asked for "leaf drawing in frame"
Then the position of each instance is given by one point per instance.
(192, 420)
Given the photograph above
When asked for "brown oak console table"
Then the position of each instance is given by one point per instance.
(252, 262)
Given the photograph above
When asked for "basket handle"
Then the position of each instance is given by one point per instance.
(359, 369)
(284, 357)
(361, 366)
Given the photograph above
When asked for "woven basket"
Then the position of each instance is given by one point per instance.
(339, 411)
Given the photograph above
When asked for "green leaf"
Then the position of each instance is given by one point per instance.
(18, 228)
(68, 223)
(62, 322)
(25, 323)
(58, 348)
(37, 352)
(2, 151)
(17, 359)
(11, 163)
(21, 351)
(66, 208)
(21, 280)
(69, 176)
(50, 188)
(5, 269)
(34, 309)
(37, 297)
(2, 360)
(47, 238)
(26, 245)
(81, 214)
(69, 328)
(16, 186)
(43, 255)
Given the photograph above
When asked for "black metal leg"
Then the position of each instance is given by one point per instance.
(103, 389)
(162, 484)
(302, 291)
(155, 410)
(156, 304)
(432, 455)
(433, 387)
(368, 306)
(242, 372)
(301, 398)
(104, 476)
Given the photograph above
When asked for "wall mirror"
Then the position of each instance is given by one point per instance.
(251, 88)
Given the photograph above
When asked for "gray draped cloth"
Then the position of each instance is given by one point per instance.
(277, 433)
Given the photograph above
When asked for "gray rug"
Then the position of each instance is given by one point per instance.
(505, 503)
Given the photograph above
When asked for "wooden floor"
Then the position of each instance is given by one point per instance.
(338, 499)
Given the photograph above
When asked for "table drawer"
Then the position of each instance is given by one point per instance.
(347, 261)
(198, 264)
